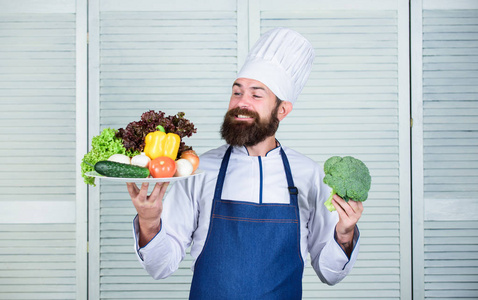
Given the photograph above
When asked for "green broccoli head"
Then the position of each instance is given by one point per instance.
(348, 177)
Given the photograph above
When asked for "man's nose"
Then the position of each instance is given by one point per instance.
(245, 101)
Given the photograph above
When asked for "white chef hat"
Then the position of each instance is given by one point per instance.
(281, 59)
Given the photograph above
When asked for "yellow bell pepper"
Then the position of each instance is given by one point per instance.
(159, 143)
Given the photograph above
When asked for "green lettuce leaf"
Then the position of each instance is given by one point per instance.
(102, 147)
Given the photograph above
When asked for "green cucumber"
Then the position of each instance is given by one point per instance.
(115, 169)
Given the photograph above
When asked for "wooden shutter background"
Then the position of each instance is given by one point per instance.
(355, 103)
(446, 235)
(163, 56)
(142, 54)
(40, 247)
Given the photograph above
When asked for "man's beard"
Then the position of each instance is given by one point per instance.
(243, 133)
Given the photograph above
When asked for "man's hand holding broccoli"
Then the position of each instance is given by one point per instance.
(349, 179)
(349, 214)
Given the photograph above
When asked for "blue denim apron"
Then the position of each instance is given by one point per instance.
(252, 251)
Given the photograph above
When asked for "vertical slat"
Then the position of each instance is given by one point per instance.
(404, 120)
(357, 103)
(164, 60)
(39, 256)
(93, 130)
(81, 149)
(417, 149)
(450, 150)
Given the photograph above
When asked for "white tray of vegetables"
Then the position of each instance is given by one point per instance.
(149, 150)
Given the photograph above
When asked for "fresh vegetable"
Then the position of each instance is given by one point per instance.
(115, 169)
(192, 157)
(162, 167)
(159, 143)
(134, 133)
(141, 160)
(121, 158)
(183, 167)
(102, 147)
(348, 177)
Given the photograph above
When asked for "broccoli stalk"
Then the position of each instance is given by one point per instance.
(328, 203)
(348, 177)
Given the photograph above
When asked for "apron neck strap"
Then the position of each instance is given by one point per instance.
(293, 191)
(222, 173)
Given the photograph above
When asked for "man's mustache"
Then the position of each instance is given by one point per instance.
(242, 111)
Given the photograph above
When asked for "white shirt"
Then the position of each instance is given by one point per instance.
(187, 210)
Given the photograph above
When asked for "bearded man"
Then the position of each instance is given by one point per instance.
(257, 210)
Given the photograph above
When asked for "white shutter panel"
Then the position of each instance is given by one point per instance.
(155, 55)
(446, 248)
(356, 103)
(39, 239)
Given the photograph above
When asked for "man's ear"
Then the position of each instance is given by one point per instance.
(284, 109)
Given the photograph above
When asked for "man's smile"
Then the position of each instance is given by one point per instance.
(244, 117)
(242, 114)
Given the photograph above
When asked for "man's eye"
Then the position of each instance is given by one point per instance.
(237, 94)
(257, 96)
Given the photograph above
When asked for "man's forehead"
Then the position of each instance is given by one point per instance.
(250, 84)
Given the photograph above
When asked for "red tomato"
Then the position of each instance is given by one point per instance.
(162, 167)
(192, 157)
